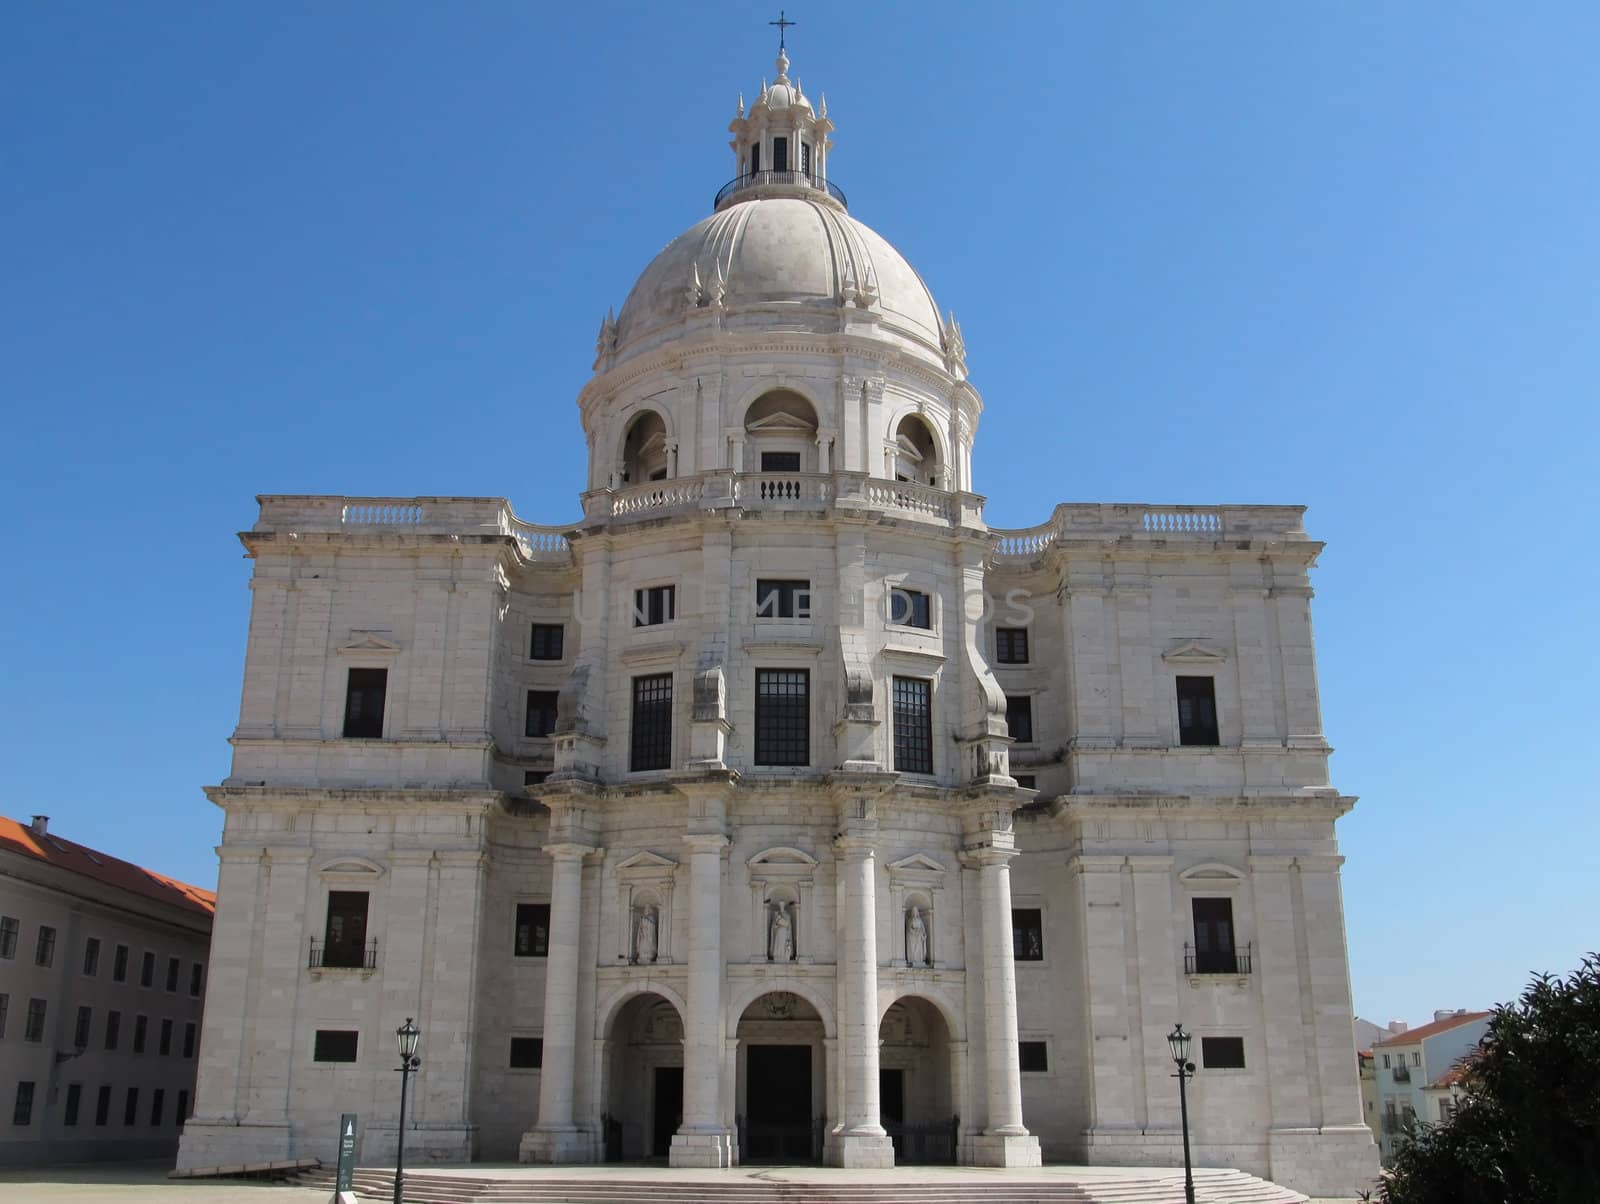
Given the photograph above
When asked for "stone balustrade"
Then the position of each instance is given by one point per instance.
(415, 516)
(1146, 523)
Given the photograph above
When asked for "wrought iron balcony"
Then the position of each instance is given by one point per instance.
(345, 955)
(760, 179)
(1216, 961)
(1402, 1073)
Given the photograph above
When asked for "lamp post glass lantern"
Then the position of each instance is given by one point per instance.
(406, 1037)
(1178, 1043)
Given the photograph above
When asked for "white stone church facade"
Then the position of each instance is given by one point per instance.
(779, 808)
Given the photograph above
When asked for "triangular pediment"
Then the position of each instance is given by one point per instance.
(782, 421)
(353, 867)
(368, 641)
(1194, 652)
(647, 860)
(1211, 875)
(917, 863)
(782, 857)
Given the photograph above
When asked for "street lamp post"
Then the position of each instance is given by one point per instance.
(1178, 1042)
(407, 1036)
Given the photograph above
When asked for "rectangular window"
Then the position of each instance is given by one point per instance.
(783, 599)
(655, 605)
(174, 969)
(1222, 1053)
(363, 703)
(1213, 937)
(69, 1116)
(147, 970)
(1019, 718)
(130, 1107)
(183, 1107)
(8, 936)
(1386, 1061)
(1197, 710)
(545, 640)
(188, 1039)
(650, 740)
(334, 1045)
(141, 1029)
(755, 158)
(910, 608)
(527, 1053)
(805, 157)
(1033, 1056)
(783, 717)
(913, 725)
(5, 1010)
(164, 1042)
(197, 977)
(113, 1028)
(44, 950)
(1027, 934)
(1011, 645)
(80, 1027)
(91, 956)
(119, 964)
(780, 461)
(1416, 1057)
(780, 154)
(540, 719)
(158, 1098)
(345, 935)
(22, 1112)
(33, 1027)
(102, 1105)
(533, 930)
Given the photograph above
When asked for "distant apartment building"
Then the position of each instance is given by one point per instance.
(102, 978)
(1408, 1066)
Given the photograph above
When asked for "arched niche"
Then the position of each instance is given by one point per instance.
(644, 449)
(780, 433)
(919, 1069)
(914, 453)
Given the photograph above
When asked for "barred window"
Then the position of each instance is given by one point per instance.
(913, 725)
(541, 716)
(8, 936)
(651, 737)
(1011, 645)
(44, 951)
(81, 1026)
(91, 956)
(1019, 717)
(783, 717)
(783, 599)
(544, 644)
(33, 1026)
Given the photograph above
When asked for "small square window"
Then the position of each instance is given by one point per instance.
(541, 715)
(544, 644)
(1011, 645)
(91, 956)
(363, 703)
(8, 936)
(783, 599)
(1222, 1053)
(335, 1045)
(780, 461)
(910, 608)
(1019, 718)
(654, 606)
(1033, 1056)
(44, 950)
(1027, 934)
(533, 930)
(1197, 711)
(527, 1053)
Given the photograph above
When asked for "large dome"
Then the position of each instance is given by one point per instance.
(782, 261)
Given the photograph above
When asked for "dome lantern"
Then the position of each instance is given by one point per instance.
(780, 146)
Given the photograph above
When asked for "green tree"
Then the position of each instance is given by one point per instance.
(1528, 1128)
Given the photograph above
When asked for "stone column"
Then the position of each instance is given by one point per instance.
(704, 1140)
(1004, 1141)
(556, 1137)
(860, 1139)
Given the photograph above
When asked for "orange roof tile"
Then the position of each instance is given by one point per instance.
(1452, 1076)
(102, 867)
(1412, 1035)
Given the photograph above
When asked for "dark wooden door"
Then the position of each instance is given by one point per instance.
(668, 1109)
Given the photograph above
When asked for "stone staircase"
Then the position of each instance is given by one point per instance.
(1212, 1186)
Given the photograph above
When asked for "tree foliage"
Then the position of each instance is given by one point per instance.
(1528, 1128)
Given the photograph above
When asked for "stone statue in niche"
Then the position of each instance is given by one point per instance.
(916, 939)
(780, 931)
(644, 936)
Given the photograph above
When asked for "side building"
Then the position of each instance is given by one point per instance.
(1415, 1068)
(102, 979)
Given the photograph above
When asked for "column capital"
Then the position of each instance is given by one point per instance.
(984, 856)
(568, 851)
(856, 845)
(706, 842)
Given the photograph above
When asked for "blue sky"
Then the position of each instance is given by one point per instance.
(1344, 255)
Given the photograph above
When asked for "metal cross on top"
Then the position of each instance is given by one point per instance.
(783, 25)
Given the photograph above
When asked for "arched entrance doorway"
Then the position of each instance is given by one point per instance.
(781, 1089)
(914, 1083)
(644, 1091)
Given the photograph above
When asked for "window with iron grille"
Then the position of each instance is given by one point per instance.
(1197, 710)
(545, 641)
(783, 599)
(334, 1045)
(541, 716)
(91, 956)
(527, 1053)
(1033, 1056)
(1222, 1053)
(780, 461)
(650, 738)
(1011, 645)
(74, 1102)
(533, 930)
(783, 717)
(44, 952)
(657, 604)
(1027, 934)
(363, 703)
(8, 936)
(22, 1112)
(913, 725)
(33, 1026)
(80, 1027)
(910, 608)
(1019, 717)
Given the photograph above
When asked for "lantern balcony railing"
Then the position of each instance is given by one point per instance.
(783, 179)
(1216, 961)
(343, 955)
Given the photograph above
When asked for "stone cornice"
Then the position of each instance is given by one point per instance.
(369, 799)
(1278, 806)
